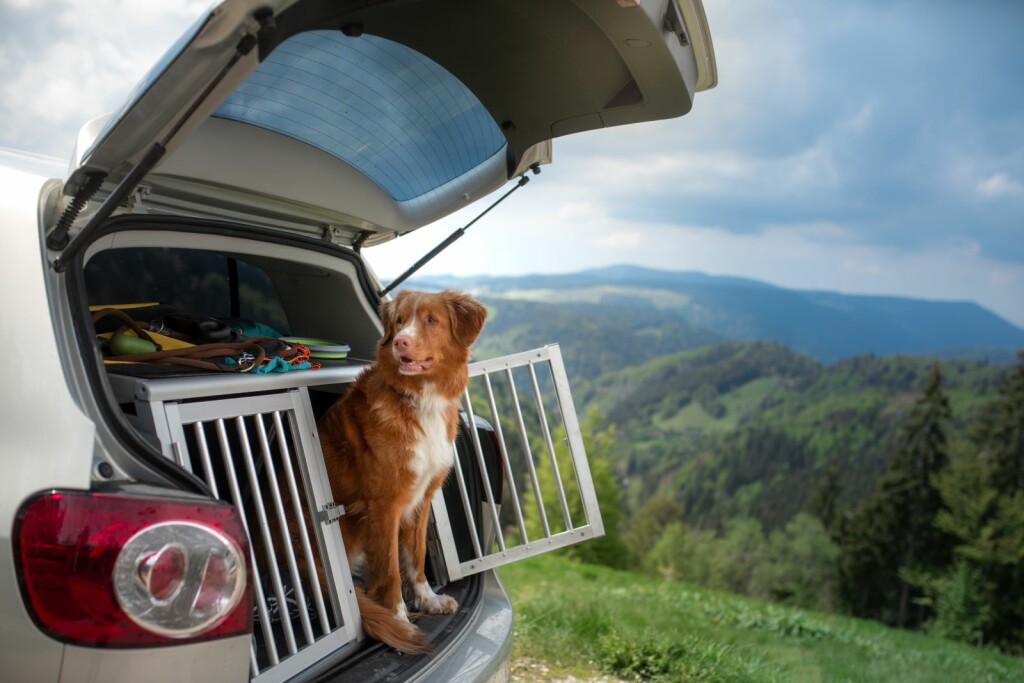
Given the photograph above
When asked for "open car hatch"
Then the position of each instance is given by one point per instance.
(365, 120)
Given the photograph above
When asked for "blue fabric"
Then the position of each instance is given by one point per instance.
(276, 364)
(251, 328)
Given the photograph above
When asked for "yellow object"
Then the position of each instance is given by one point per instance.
(163, 340)
(121, 307)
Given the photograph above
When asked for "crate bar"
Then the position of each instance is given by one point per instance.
(282, 523)
(559, 540)
(503, 454)
(338, 576)
(307, 547)
(550, 446)
(236, 496)
(515, 360)
(470, 517)
(573, 433)
(479, 451)
(231, 408)
(211, 386)
(331, 645)
(269, 548)
(443, 530)
(204, 456)
(529, 455)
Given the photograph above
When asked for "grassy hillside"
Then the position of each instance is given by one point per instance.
(586, 620)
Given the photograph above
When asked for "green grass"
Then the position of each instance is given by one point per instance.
(586, 620)
(738, 403)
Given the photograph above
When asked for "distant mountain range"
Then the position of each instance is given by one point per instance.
(692, 308)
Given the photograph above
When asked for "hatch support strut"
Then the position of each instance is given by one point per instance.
(123, 189)
(59, 239)
(429, 256)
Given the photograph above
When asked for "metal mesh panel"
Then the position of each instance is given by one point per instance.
(256, 453)
(535, 492)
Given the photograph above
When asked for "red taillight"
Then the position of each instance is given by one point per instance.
(121, 571)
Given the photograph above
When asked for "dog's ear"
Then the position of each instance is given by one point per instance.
(389, 315)
(388, 310)
(467, 316)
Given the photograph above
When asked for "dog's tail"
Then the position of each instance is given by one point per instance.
(381, 624)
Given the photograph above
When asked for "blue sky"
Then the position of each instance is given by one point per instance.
(872, 147)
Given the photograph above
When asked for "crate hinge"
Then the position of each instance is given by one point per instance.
(330, 513)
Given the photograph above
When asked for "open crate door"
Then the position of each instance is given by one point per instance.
(537, 494)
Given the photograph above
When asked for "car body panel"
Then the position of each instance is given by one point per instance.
(50, 442)
(215, 660)
(47, 441)
(484, 648)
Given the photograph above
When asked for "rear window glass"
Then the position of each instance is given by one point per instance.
(403, 120)
(201, 283)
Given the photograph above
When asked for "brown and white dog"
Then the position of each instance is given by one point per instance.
(387, 446)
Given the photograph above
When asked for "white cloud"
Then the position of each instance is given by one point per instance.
(64, 63)
(656, 162)
(816, 231)
(621, 240)
(999, 185)
(575, 210)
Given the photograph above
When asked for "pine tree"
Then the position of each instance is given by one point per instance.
(1001, 433)
(983, 495)
(893, 536)
(823, 501)
(921, 456)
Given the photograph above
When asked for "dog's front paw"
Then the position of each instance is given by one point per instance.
(429, 602)
(439, 604)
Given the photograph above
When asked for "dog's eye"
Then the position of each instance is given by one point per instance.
(431, 320)
(398, 320)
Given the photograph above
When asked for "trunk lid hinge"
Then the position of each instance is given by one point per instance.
(331, 233)
(135, 202)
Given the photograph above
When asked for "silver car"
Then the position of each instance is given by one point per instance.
(166, 517)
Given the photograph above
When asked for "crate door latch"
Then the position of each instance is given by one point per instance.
(330, 513)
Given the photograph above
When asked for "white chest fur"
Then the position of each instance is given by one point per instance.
(432, 453)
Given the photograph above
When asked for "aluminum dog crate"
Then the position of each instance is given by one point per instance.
(253, 440)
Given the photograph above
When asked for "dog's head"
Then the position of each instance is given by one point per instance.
(425, 333)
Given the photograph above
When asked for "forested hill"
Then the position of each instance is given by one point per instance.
(730, 428)
(752, 429)
(824, 325)
(595, 339)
